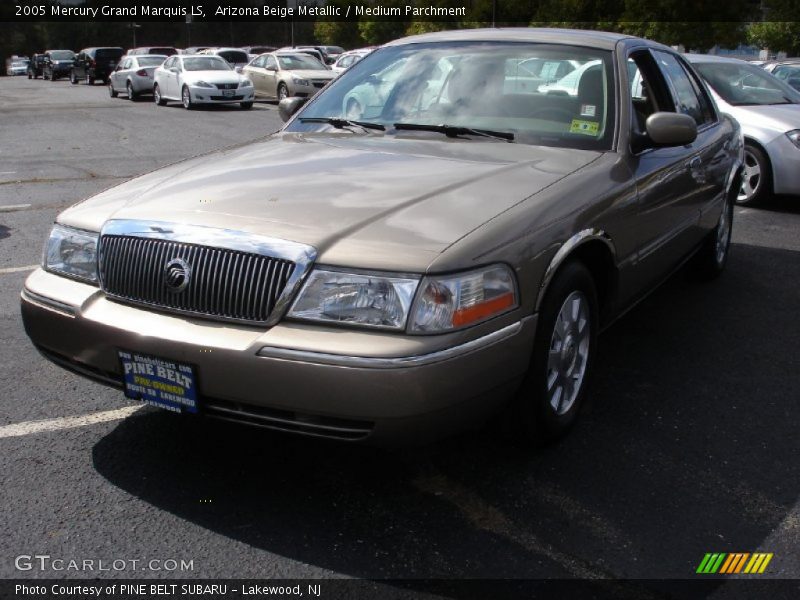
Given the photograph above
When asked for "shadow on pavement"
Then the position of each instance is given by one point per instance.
(688, 446)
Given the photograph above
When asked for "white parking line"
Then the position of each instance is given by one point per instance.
(13, 207)
(31, 427)
(18, 269)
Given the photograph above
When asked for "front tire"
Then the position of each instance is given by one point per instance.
(157, 96)
(186, 98)
(111, 91)
(72, 78)
(89, 80)
(246, 105)
(554, 390)
(283, 92)
(756, 177)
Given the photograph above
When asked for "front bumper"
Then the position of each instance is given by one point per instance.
(325, 382)
(202, 95)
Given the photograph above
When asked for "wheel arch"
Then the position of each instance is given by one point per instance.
(595, 249)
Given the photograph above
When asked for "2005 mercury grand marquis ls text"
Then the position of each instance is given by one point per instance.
(440, 233)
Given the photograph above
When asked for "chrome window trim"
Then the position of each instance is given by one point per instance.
(399, 362)
(302, 255)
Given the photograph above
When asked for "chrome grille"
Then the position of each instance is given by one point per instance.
(227, 86)
(223, 283)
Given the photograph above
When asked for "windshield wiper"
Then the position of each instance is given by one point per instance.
(455, 130)
(342, 123)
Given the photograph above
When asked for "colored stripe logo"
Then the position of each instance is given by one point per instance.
(736, 562)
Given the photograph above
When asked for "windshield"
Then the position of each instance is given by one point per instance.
(746, 85)
(234, 56)
(151, 61)
(62, 55)
(296, 62)
(206, 63)
(497, 87)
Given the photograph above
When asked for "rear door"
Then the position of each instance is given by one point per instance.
(257, 74)
(271, 76)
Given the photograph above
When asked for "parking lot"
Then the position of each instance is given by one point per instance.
(689, 443)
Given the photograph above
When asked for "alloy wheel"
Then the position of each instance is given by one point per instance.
(569, 352)
(751, 177)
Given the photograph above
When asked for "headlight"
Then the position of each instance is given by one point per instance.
(454, 301)
(245, 83)
(203, 84)
(794, 137)
(71, 252)
(366, 299)
(301, 82)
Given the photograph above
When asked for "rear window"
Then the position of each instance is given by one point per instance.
(150, 61)
(234, 57)
(62, 55)
(166, 51)
(108, 53)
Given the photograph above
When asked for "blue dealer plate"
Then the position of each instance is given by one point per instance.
(158, 381)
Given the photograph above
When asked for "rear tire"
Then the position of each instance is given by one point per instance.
(131, 94)
(550, 398)
(710, 260)
(756, 177)
(157, 96)
(89, 80)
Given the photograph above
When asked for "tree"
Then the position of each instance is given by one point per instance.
(778, 36)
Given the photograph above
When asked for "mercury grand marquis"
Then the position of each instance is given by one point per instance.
(408, 267)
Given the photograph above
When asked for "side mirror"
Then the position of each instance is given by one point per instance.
(271, 68)
(288, 106)
(671, 129)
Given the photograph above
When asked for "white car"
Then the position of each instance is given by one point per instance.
(134, 75)
(201, 79)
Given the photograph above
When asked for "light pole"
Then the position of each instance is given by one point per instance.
(134, 27)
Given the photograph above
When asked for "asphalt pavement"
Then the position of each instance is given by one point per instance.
(688, 445)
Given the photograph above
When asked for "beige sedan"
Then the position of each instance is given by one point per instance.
(284, 74)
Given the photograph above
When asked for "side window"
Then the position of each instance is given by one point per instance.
(169, 64)
(259, 62)
(781, 72)
(271, 63)
(686, 93)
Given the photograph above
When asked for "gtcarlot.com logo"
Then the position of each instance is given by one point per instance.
(45, 562)
(722, 563)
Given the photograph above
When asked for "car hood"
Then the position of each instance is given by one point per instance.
(212, 76)
(375, 201)
(313, 74)
(777, 117)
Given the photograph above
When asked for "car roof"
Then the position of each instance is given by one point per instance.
(577, 37)
(712, 58)
(150, 56)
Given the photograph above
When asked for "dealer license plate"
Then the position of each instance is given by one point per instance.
(228, 93)
(158, 381)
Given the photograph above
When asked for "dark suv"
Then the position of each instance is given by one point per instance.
(35, 66)
(93, 64)
(57, 63)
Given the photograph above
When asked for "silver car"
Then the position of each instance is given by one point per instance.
(769, 112)
(283, 74)
(134, 75)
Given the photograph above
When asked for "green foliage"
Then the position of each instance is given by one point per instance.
(778, 36)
